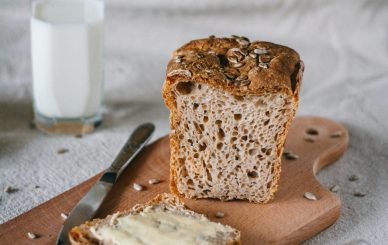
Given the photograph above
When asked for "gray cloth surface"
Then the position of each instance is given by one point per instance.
(344, 45)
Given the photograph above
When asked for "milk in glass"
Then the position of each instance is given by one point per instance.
(67, 61)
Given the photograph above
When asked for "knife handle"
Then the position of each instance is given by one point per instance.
(132, 147)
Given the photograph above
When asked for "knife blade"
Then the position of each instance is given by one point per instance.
(89, 204)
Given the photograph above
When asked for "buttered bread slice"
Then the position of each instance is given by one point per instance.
(162, 221)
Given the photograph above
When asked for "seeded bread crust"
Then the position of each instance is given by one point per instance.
(81, 235)
(239, 67)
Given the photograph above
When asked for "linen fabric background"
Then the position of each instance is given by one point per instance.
(344, 45)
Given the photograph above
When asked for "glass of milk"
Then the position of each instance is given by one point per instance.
(67, 64)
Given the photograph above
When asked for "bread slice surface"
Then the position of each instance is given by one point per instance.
(231, 103)
(163, 220)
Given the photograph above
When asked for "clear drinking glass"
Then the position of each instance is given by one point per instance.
(67, 64)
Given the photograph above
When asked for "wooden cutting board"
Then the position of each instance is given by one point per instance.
(288, 219)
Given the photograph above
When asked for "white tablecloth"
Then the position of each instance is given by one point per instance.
(344, 45)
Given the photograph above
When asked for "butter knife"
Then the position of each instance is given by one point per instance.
(89, 204)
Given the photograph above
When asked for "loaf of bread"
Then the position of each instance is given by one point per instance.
(162, 221)
(231, 103)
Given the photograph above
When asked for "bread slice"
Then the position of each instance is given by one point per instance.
(231, 103)
(164, 220)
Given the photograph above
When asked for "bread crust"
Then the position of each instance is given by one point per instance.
(80, 235)
(203, 61)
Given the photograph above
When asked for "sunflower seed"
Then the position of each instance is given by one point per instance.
(137, 187)
(291, 156)
(232, 59)
(359, 194)
(230, 76)
(242, 77)
(180, 72)
(32, 235)
(237, 65)
(336, 134)
(153, 181)
(178, 60)
(335, 188)
(62, 151)
(264, 58)
(263, 65)
(260, 51)
(211, 52)
(354, 177)
(243, 41)
(236, 83)
(235, 36)
(309, 139)
(253, 55)
(78, 136)
(245, 82)
(310, 196)
(10, 189)
(236, 54)
(37, 186)
(212, 36)
(64, 216)
(220, 214)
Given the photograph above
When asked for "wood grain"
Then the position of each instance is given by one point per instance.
(288, 219)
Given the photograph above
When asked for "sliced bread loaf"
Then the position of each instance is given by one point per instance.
(162, 221)
(231, 103)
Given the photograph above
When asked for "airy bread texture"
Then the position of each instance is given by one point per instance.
(231, 103)
(170, 206)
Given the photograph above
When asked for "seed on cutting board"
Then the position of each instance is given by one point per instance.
(286, 152)
(335, 188)
(32, 235)
(64, 216)
(10, 189)
(309, 139)
(220, 214)
(62, 151)
(359, 194)
(137, 187)
(336, 134)
(291, 156)
(153, 181)
(354, 177)
(263, 65)
(310, 196)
